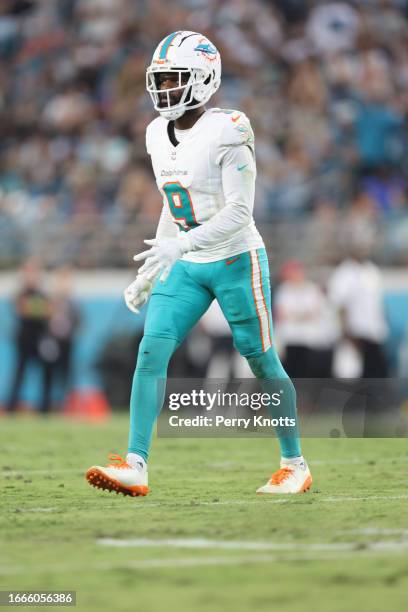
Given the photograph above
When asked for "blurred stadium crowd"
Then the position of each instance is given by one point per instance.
(325, 85)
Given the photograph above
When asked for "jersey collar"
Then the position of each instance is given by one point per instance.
(171, 124)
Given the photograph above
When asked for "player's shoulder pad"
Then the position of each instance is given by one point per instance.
(153, 130)
(234, 128)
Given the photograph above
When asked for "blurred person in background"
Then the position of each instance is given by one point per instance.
(355, 289)
(32, 308)
(304, 324)
(62, 325)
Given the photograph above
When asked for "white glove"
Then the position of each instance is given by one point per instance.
(138, 292)
(162, 256)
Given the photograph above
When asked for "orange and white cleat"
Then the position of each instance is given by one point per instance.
(119, 476)
(293, 477)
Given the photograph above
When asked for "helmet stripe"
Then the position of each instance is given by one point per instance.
(166, 44)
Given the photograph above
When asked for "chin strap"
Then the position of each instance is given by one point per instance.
(172, 115)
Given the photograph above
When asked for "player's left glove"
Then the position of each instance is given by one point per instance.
(138, 292)
(163, 255)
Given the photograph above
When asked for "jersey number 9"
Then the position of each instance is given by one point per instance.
(181, 206)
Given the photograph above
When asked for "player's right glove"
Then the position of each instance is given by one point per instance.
(162, 255)
(138, 292)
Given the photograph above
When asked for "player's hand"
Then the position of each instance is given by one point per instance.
(162, 256)
(137, 294)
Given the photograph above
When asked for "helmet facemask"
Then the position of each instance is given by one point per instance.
(195, 91)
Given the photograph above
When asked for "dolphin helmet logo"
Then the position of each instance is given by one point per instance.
(207, 49)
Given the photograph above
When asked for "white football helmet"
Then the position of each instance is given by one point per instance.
(184, 53)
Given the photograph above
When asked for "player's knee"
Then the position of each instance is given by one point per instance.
(154, 355)
(267, 365)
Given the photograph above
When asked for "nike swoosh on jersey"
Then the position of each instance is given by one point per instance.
(234, 119)
(239, 168)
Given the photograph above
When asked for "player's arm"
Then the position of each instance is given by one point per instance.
(238, 185)
(234, 154)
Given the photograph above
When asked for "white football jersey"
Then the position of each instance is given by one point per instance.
(208, 184)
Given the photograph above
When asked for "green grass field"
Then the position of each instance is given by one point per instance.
(202, 539)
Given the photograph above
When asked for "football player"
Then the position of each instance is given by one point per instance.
(206, 247)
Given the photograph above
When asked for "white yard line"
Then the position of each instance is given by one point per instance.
(202, 543)
(374, 531)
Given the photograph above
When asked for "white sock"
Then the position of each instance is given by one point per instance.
(294, 461)
(136, 461)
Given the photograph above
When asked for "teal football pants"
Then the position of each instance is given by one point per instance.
(241, 286)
